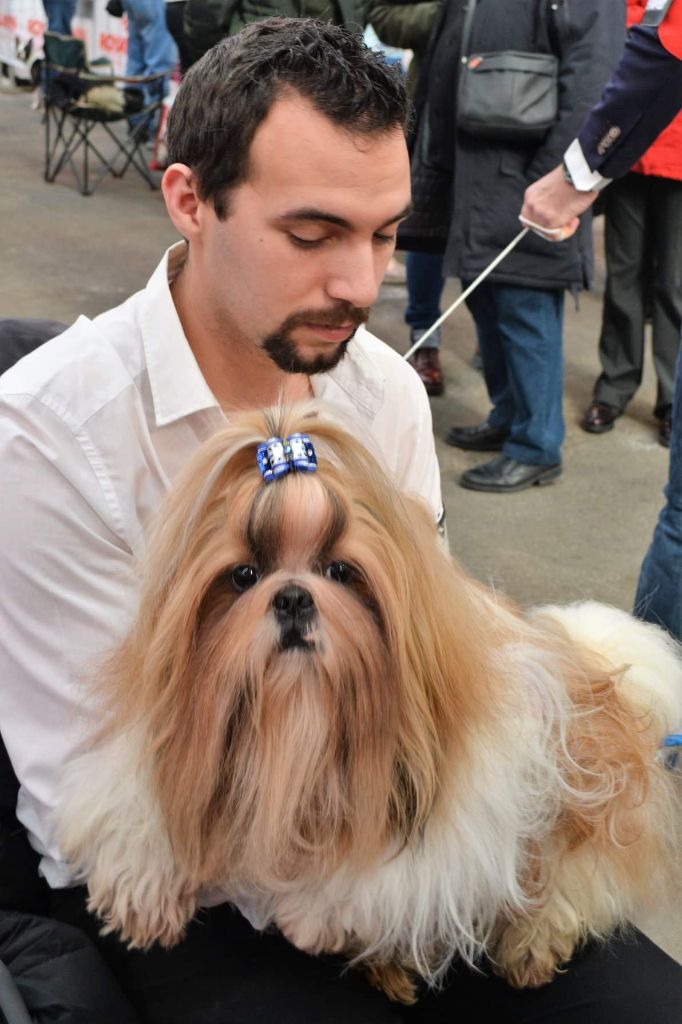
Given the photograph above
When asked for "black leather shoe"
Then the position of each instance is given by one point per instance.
(504, 476)
(600, 417)
(481, 438)
(665, 429)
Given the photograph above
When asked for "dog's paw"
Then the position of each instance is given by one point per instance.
(529, 962)
(162, 919)
(393, 980)
(310, 936)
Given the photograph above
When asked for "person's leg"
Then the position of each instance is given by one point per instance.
(59, 14)
(424, 289)
(530, 324)
(159, 48)
(666, 221)
(659, 590)
(628, 980)
(150, 46)
(135, 51)
(482, 304)
(224, 971)
(489, 435)
(175, 13)
(621, 343)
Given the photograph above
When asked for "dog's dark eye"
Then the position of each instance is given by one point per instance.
(340, 572)
(243, 577)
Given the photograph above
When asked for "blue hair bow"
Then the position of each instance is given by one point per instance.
(279, 456)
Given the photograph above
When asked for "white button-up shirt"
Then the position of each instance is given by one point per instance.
(94, 426)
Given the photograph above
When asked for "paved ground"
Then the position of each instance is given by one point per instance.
(63, 254)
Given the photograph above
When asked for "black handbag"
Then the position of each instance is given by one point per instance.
(506, 95)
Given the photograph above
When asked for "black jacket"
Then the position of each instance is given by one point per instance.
(468, 192)
(642, 98)
(59, 974)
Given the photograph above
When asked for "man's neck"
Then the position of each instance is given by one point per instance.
(240, 375)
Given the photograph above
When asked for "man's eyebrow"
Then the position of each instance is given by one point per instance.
(313, 214)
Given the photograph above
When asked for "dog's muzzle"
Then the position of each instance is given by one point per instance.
(295, 613)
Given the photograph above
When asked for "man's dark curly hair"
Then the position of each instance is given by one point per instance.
(228, 93)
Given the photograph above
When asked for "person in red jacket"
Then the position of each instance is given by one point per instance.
(643, 236)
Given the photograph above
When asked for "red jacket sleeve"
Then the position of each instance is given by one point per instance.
(670, 30)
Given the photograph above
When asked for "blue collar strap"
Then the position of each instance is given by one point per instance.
(279, 456)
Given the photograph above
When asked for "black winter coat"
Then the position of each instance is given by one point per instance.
(59, 974)
(468, 192)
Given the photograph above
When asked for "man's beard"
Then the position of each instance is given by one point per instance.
(282, 349)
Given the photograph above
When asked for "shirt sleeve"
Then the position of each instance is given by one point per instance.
(588, 39)
(642, 97)
(66, 593)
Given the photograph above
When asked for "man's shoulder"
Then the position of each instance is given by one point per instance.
(78, 372)
(394, 369)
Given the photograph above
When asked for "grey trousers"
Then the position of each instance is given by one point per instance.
(643, 237)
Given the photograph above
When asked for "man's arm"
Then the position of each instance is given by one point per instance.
(407, 25)
(641, 98)
(66, 593)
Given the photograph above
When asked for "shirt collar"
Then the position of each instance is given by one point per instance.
(358, 376)
(178, 386)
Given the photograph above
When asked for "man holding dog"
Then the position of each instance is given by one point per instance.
(288, 178)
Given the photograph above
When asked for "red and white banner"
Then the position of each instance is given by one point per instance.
(22, 23)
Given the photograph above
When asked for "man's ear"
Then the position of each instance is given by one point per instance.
(182, 199)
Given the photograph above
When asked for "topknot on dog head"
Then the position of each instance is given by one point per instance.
(222, 483)
(228, 461)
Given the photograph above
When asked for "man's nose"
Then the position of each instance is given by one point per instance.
(357, 278)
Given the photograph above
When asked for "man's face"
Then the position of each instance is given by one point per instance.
(298, 261)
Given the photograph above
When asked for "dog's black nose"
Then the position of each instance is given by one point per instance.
(293, 602)
(295, 610)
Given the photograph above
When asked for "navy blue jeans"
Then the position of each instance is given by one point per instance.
(520, 334)
(659, 591)
(59, 14)
(424, 289)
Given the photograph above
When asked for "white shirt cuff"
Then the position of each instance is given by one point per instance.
(584, 179)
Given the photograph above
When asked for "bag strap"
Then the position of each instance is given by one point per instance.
(466, 30)
(542, 34)
(544, 39)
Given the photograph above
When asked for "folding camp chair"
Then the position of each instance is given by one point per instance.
(83, 99)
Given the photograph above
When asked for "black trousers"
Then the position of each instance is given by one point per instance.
(224, 972)
(175, 12)
(643, 239)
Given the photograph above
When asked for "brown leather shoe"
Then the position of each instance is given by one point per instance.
(665, 429)
(426, 361)
(600, 417)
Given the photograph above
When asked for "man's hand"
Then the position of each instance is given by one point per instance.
(552, 203)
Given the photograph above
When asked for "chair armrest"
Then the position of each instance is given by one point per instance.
(12, 1006)
(141, 79)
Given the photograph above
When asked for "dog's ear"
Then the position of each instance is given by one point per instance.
(154, 682)
(435, 631)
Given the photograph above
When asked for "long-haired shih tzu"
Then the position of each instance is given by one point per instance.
(320, 717)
